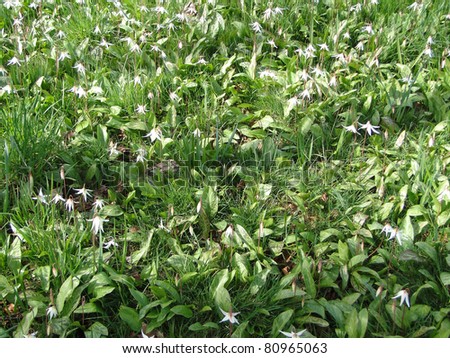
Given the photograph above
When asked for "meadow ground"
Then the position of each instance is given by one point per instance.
(220, 168)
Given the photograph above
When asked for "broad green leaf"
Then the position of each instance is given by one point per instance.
(280, 321)
(111, 210)
(90, 307)
(136, 256)
(14, 256)
(23, 328)
(102, 291)
(351, 324)
(241, 264)
(182, 310)
(444, 329)
(239, 332)
(210, 201)
(363, 320)
(429, 250)
(325, 234)
(96, 330)
(344, 252)
(310, 285)
(443, 218)
(242, 234)
(130, 317)
(43, 275)
(312, 320)
(5, 287)
(416, 210)
(59, 326)
(140, 297)
(445, 278)
(65, 291)
(222, 298)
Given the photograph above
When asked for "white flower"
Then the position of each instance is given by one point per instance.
(293, 334)
(324, 47)
(351, 128)
(13, 61)
(15, 231)
(369, 128)
(229, 316)
(83, 192)
(63, 55)
(154, 134)
(404, 297)
(144, 335)
(368, 29)
(80, 68)
(104, 43)
(141, 109)
(256, 26)
(396, 234)
(197, 133)
(305, 94)
(160, 10)
(333, 81)
(80, 92)
(415, 6)
(52, 312)
(387, 229)
(57, 198)
(40, 197)
(110, 243)
(70, 203)
(98, 204)
(97, 224)
(141, 153)
(272, 43)
(428, 52)
(229, 231)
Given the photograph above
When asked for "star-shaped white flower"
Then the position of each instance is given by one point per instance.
(404, 297)
(351, 128)
(154, 134)
(40, 197)
(369, 128)
(229, 316)
(293, 334)
(97, 224)
(52, 312)
(83, 192)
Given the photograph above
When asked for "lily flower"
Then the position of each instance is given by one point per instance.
(52, 312)
(293, 334)
(83, 192)
(370, 128)
(404, 297)
(229, 316)
(97, 224)
(351, 128)
(40, 197)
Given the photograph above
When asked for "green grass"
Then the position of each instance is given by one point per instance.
(249, 194)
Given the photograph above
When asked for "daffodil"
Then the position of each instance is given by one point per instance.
(404, 297)
(229, 316)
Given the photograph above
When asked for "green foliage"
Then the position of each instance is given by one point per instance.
(287, 165)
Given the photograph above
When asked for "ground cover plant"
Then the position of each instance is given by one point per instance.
(224, 168)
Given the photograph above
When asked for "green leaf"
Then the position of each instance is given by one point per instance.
(90, 307)
(222, 298)
(130, 317)
(23, 328)
(444, 329)
(14, 256)
(429, 250)
(100, 292)
(241, 264)
(136, 256)
(140, 297)
(445, 278)
(351, 324)
(416, 210)
(310, 285)
(344, 252)
(240, 330)
(97, 330)
(111, 210)
(182, 310)
(210, 201)
(280, 321)
(443, 218)
(5, 287)
(59, 326)
(65, 291)
(43, 275)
